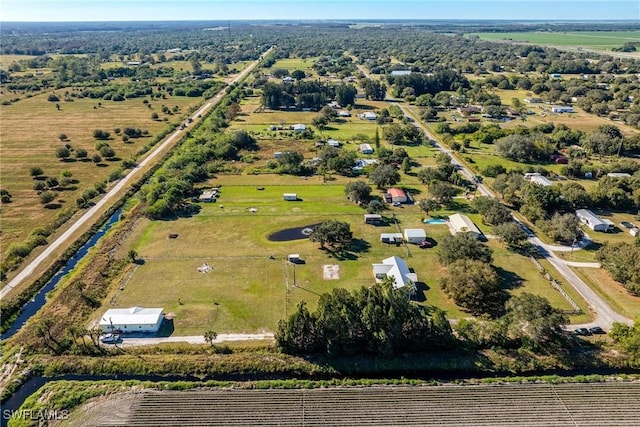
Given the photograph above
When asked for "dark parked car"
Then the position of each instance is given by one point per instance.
(597, 330)
(425, 244)
(627, 224)
(582, 331)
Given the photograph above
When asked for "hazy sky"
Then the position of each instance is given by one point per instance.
(150, 10)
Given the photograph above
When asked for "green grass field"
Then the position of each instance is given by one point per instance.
(599, 40)
(29, 135)
(247, 291)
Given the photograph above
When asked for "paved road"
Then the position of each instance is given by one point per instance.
(603, 313)
(129, 179)
(193, 339)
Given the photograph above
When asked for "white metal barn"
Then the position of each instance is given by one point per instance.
(593, 221)
(462, 224)
(133, 319)
(414, 235)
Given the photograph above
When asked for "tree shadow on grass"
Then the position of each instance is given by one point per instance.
(420, 293)
(508, 279)
(350, 253)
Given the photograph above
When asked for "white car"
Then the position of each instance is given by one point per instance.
(110, 338)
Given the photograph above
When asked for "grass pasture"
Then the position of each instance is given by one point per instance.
(29, 135)
(251, 285)
(598, 40)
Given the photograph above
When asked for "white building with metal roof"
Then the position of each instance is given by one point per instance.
(133, 319)
(396, 268)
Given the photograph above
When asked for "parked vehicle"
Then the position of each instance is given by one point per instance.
(597, 330)
(627, 224)
(425, 244)
(110, 338)
(582, 331)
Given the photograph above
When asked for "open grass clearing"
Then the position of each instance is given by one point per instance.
(251, 286)
(599, 40)
(29, 134)
(611, 291)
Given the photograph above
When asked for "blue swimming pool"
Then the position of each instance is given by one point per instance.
(435, 221)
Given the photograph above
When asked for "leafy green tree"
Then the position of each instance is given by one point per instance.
(47, 197)
(375, 207)
(533, 323)
(384, 176)
(563, 228)
(100, 134)
(394, 133)
(346, 94)
(375, 320)
(63, 153)
(428, 205)
(298, 74)
(443, 192)
(475, 286)
(107, 152)
(463, 246)
(358, 192)
(36, 171)
(332, 233)
(627, 338)
(210, 336)
(510, 233)
(622, 261)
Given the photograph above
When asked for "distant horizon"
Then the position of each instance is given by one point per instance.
(50, 11)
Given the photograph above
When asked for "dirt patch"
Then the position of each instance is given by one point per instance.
(105, 410)
(330, 272)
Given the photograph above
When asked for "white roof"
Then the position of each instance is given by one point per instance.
(365, 147)
(400, 72)
(397, 268)
(132, 315)
(618, 174)
(414, 232)
(587, 215)
(462, 223)
(541, 180)
(391, 236)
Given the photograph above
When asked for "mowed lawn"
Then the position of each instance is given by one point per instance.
(251, 286)
(29, 137)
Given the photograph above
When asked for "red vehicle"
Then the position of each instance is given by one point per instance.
(425, 244)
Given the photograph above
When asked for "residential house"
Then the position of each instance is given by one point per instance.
(396, 268)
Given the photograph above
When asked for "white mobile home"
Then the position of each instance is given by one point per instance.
(391, 237)
(562, 109)
(372, 218)
(414, 235)
(134, 319)
(462, 224)
(593, 221)
(365, 149)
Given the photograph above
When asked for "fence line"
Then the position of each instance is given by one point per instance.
(556, 285)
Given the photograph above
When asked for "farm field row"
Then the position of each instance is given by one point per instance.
(469, 405)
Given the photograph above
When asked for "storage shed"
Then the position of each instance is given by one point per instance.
(391, 237)
(290, 197)
(414, 235)
(134, 319)
(372, 219)
(397, 195)
(365, 149)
